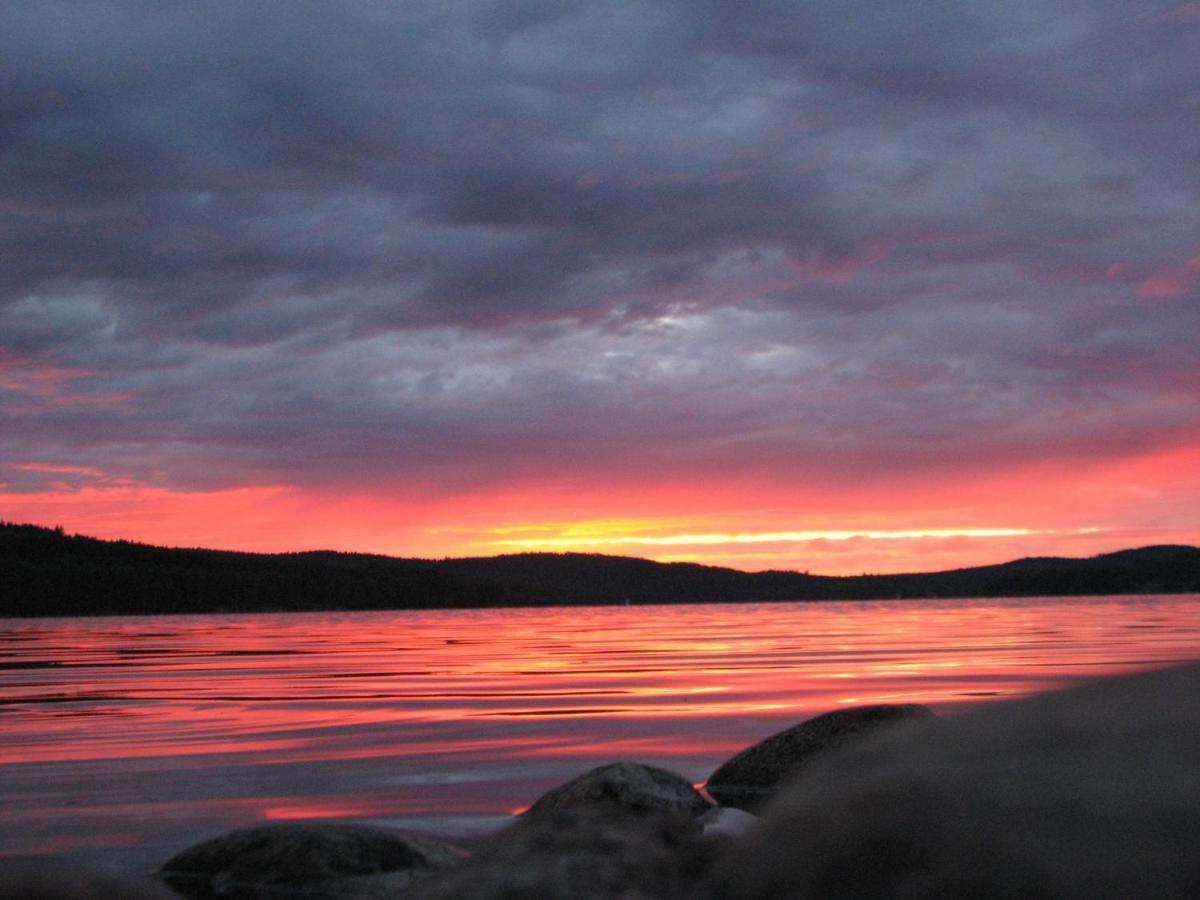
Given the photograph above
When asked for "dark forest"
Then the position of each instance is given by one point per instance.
(45, 572)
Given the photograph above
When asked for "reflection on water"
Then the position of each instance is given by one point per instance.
(140, 734)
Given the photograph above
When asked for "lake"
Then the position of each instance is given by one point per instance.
(124, 739)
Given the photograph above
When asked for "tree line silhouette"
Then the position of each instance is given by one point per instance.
(46, 572)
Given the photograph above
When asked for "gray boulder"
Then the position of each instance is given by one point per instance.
(595, 852)
(305, 860)
(749, 778)
(625, 785)
(1089, 793)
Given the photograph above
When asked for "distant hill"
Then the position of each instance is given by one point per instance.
(44, 572)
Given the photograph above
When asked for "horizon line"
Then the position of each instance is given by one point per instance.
(60, 530)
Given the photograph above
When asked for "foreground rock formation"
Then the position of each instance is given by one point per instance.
(27, 881)
(752, 776)
(315, 861)
(598, 853)
(1088, 793)
(624, 830)
(628, 786)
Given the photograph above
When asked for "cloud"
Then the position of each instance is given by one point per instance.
(463, 244)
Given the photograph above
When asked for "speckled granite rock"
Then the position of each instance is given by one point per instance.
(625, 785)
(592, 852)
(305, 860)
(750, 777)
(1090, 793)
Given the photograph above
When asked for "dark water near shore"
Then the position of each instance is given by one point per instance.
(123, 739)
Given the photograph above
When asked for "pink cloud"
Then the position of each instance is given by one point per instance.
(843, 271)
(57, 468)
(24, 377)
(1171, 282)
(52, 386)
(1187, 14)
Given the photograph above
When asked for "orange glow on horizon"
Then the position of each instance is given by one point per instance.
(902, 525)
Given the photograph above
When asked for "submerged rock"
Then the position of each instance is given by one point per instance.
(594, 852)
(1088, 793)
(629, 786)
(751, 776)
(306, 860)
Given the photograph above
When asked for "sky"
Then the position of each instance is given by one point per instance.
(869, 287)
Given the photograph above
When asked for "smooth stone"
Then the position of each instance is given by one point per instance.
(308, 860)
(724, 822)
(750, 777)
(596, 852)
(625, 785)
(1087, 793)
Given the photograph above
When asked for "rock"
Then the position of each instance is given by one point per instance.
(1088, 793)
(593, 852)
(625, 785)
(36, 882)
(749, 778)
(305, 860)
(725, 822)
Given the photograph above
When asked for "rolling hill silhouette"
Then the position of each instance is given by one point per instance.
(45, 572)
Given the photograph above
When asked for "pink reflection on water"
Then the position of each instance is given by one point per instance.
(114, 731)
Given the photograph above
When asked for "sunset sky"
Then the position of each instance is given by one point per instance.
(838, 287)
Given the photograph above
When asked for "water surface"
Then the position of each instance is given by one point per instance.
(125, 738)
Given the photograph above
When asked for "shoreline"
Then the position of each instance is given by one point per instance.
(44, 574)
(1120, 744)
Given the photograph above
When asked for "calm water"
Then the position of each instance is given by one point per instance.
(124, 739)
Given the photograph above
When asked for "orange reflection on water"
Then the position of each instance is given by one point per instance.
(427, 717)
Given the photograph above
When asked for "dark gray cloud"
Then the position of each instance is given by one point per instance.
(250, 242)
